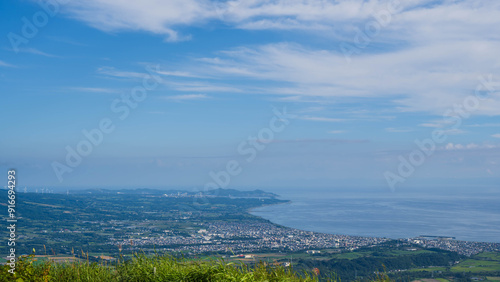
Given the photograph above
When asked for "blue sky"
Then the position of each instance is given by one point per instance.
(361, 81)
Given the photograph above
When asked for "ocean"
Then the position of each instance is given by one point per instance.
(468, 214)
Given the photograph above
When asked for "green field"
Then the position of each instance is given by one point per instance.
(475, 265)
(428, 269)
(484, 262)
(489, 256)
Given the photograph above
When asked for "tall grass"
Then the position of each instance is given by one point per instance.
(154, 268)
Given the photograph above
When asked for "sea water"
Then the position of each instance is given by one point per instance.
(470, 214)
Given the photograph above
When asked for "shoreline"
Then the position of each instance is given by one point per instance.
(455, 238)
(268, 205)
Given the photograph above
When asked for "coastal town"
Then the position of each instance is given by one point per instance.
(249, 237)
(462, 247)
(112, 222)
(101, 225)
(258, 237)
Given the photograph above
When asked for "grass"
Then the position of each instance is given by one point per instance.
(431, 280)
(406, 252)
(429, 269)
(484, 262)
(476, 266)
(489, 256)
(155, 268)
(350, 255)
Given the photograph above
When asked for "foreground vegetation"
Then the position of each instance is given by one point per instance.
(368, 264)
(156, 268)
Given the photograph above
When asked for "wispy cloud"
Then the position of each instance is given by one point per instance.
(186, 97)
(398, 130)
(470, 146)
(178, 74)
(435, 51)
(4, 64)
(454, 131)
(335, 141)
(119, 15)
(95, 90)
(205, 87)
(66, 40)
(336, 131)
(496, 135)
(415, 75)
(414, 20)
(440, 123)
(484, 125)
(111, 71)
(313, 109)
(122, 15)
(37, 52)
(321, 119)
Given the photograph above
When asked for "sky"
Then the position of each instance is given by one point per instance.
(251, 93)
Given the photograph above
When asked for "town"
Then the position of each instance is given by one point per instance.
(225, 237)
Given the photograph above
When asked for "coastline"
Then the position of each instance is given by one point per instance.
(250, 210)
(339, 217)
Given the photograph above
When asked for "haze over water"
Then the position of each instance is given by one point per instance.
(470, 216)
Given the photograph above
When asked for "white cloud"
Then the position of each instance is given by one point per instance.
(485, 125)
(454, 131)
(281, 24)
(156, 113)
(186, 97)
(4, 64)
(398, 130)
(201, 87)
(110, 71)
(451, 146)
(321, 119)
(471, 146)
(313, 109)
(433, 57)
(412, 20)
(155, 16)
(434, 125)
(177, 73)
(336, 131)
(426, 77)
(496, 135)
(37, 52)
(95, 90)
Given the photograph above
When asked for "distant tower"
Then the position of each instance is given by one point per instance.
(67, 192)
(25, 189)
(37, 191)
